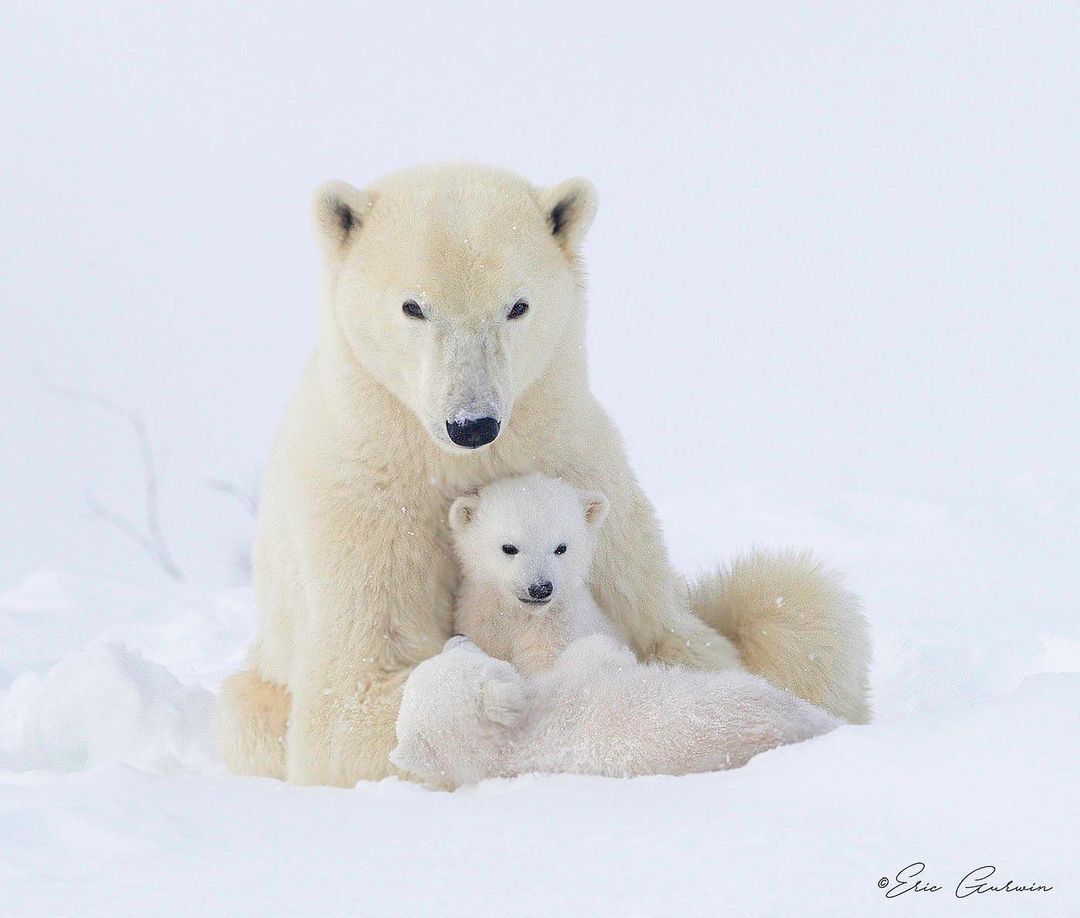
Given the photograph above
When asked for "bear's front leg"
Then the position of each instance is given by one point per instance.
(377, 587)
(342, 726)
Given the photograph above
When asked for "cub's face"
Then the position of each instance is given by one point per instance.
(453, 287)
(532, 538)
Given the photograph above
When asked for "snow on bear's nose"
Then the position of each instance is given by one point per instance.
(472, 432)
(540, 590)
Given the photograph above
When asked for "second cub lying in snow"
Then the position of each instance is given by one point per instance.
(539, 683)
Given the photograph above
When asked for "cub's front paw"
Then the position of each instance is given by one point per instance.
(503, 701)
(469, 684)
(459, 640)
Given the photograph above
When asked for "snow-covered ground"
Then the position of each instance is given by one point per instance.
(835, 302)
(112, 800)
(804, 830)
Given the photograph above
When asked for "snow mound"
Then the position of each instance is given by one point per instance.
(112, 800)
(106, 704)
(808, 830)
(945, 666)
(200, 638)
(105, 672)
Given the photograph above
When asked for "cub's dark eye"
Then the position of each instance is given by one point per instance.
(561, 550)
(518, 309)
(510, 550)
(412, 309)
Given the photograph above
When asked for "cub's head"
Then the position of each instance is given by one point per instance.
(453, 285)
(531, 537)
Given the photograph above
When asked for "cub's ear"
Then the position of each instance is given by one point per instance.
(463, 511)
(596, 507)
(569, 209)
(340, 211)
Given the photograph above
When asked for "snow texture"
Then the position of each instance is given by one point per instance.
(112, 802)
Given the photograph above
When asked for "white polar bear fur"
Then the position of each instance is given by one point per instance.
(587, 705)
(353, 571)
(598, 711)
(552, 529)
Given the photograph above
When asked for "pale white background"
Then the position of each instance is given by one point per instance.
(837, 251)
(835, 301)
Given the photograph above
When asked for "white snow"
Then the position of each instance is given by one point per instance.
(105, 704)
(834, 303)
(813, 826)
(112, 800)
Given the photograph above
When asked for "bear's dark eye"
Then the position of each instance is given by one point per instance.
(561, 550)
(510, 550)
(518, 309)
(412, 309)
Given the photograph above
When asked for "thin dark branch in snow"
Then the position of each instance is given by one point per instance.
(153, 545)
(77, 395)
(248, 497)
(99, 511)
(152, 540)
(153, 518)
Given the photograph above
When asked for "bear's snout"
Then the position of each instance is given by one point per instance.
(473, 432)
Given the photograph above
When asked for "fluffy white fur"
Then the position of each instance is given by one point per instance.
(795, 624)
(353, 571)
(588, 706)
(551, 528)
(598, 711)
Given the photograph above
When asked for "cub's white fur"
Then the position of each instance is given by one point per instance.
(589, 707)
(551, 528)
(598, 711)
(353, 570)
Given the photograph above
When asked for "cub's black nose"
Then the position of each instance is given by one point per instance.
(474, 433)
(540, 590)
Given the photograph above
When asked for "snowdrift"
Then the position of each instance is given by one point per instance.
(112, 800)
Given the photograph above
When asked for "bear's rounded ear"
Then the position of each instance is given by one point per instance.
(463, 511)
(569, 209)
(340, 211)
(596, 506)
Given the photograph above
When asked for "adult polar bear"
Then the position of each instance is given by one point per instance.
(450, 353)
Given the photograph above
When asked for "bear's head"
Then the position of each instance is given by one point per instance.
(531, 537)
(453, 286)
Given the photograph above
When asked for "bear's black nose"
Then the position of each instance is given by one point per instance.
(540, 590)
(474, 433)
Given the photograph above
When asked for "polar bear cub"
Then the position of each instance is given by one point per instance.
(525, 545)
(537, 682)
